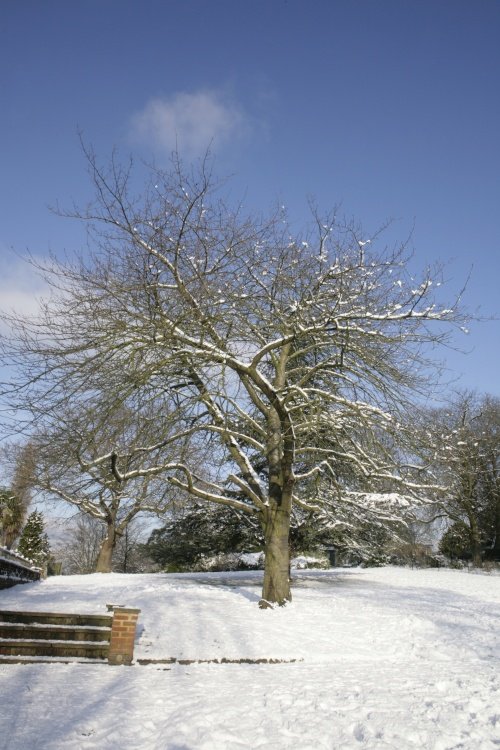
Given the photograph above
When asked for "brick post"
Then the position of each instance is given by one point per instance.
(121, 647)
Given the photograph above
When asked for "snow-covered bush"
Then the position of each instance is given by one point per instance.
(302, 562)
(376, 560)
(229, 561)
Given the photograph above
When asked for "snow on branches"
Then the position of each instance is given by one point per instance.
(278, 361)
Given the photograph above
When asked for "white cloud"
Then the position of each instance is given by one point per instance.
(21, 288)
(189, 123)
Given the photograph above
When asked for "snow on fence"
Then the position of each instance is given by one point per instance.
(15, 569)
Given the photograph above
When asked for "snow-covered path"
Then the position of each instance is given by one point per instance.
(392, 658)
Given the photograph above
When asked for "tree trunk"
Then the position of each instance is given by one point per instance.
(105, 557)
(475, 544)
(496, 531)
(276, 526)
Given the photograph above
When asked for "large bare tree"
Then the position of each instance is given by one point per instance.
(290, 356)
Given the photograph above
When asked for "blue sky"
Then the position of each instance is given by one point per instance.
(390, 107)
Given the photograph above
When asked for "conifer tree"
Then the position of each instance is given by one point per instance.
(34, 543)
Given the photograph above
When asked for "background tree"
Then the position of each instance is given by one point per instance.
(489, 425)
(417, 540)
(34, 543)
(18, 461)
(130, 555)
(11, 517)
(200, 531)
(265, 341)
(78, 550)
(22, 458)
(70, 467)
(467, 456)
(456, 542)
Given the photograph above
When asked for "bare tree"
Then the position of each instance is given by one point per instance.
(69, 467)
(286, 355)
(131, 555)
(79, 550)
(11, 517)
(23, 459)
(15, 500)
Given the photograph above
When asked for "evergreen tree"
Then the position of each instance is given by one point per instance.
(455, 542)
(201, 531)
(34, 543)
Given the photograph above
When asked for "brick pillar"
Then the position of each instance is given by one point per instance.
(121, 647)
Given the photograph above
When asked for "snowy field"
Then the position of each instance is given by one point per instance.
(391, 658)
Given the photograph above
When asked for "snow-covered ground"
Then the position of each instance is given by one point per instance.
(391, 658)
